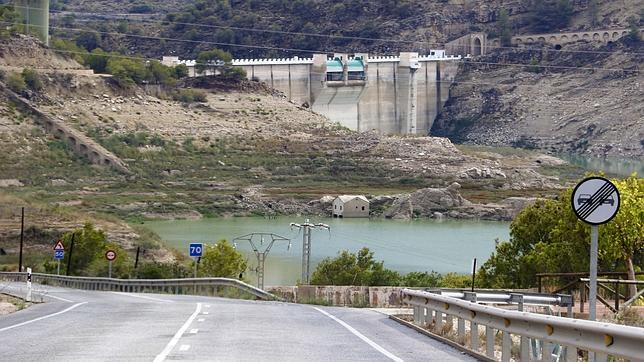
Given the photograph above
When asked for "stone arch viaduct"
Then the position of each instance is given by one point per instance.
(558, 39)
(79, 143)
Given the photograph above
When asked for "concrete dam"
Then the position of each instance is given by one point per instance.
(391, 95)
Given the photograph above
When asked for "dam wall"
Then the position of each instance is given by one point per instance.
(390, 95)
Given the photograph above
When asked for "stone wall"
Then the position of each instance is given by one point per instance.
(343, 296)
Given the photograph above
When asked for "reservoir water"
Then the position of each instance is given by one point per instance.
(405, 246)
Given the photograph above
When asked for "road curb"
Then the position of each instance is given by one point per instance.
(441, 339)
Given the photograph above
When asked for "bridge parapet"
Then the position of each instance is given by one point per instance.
(542, 337)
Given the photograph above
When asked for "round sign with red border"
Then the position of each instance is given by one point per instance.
(110, 255)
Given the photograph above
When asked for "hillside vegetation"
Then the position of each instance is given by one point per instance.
(276, 28)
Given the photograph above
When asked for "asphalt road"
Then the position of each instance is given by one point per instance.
(75, 325)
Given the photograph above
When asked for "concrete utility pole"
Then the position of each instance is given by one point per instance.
(306, 246)
(261, 255)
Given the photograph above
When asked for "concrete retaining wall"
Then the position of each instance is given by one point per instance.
(345, 296)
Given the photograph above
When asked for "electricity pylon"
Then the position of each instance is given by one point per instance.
(252, 238)
(306, 246)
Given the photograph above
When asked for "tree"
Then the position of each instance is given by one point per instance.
(89, 244)
(32, 79)
(10, 18)
(625, 233)
(222, 260)
(504, 28)
(354, 269)
(89, 40)
(548, 237)
(212, 61)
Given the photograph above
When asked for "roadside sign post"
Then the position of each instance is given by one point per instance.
(28, 296)
(473, 272)
(110, 255)
(196, 251)
(59, 253)
(595, 201)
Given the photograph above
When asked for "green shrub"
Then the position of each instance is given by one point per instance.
(16, 83)
(32, 79)
(190, 96)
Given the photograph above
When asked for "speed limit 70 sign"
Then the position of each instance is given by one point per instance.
(196, 249)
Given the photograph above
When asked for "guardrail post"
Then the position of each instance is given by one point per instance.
(546, 351)
(423, 317)
(474, 327)
(506, 347)
(461, 330)
(489, 341)
(524, 344)
(601, 357)
(571, 354)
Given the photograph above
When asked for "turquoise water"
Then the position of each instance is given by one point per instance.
(611, 165)
(405, 246)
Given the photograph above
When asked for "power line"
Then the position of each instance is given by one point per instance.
(311, 51)
(330, 36)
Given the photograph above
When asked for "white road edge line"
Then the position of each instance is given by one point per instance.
(144, 297)
(173, 342)
(373, 344)
(43, 317)
(59, 298)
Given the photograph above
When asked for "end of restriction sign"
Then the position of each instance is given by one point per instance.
(595, 200)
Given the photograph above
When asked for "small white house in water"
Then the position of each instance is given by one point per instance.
(351, 206)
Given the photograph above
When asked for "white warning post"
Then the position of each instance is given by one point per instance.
(595, 201)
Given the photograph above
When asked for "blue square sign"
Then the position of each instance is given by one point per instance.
(59, 254)
(196, 249)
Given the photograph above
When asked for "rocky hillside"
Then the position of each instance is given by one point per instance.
(243, 150)
(381, 27)
(586, 100)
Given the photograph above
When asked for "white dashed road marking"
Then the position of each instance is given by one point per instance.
(184, 347)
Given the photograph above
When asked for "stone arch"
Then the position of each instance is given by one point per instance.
(496, 42)
(94, 156)
(575, 37)
(477, 46)
(624, 33)
(519, 41)
(72, 140)
(586, 36)
(553, 39)
(615, 35)
(596, 36)
(83, 148)
(107, 162)
(541, 39)
(530, 40)
(606, 36)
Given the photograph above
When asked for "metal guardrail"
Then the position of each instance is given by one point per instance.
(509, 298)
(602, 338)
(197, 286)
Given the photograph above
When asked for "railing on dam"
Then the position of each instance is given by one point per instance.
(548, 337)
(198, 286)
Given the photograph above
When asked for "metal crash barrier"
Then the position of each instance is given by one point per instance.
(571, 335)
(196, 286)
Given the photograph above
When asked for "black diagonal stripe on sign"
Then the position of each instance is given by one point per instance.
(600, 200)
(599, 197)
(588, 205)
